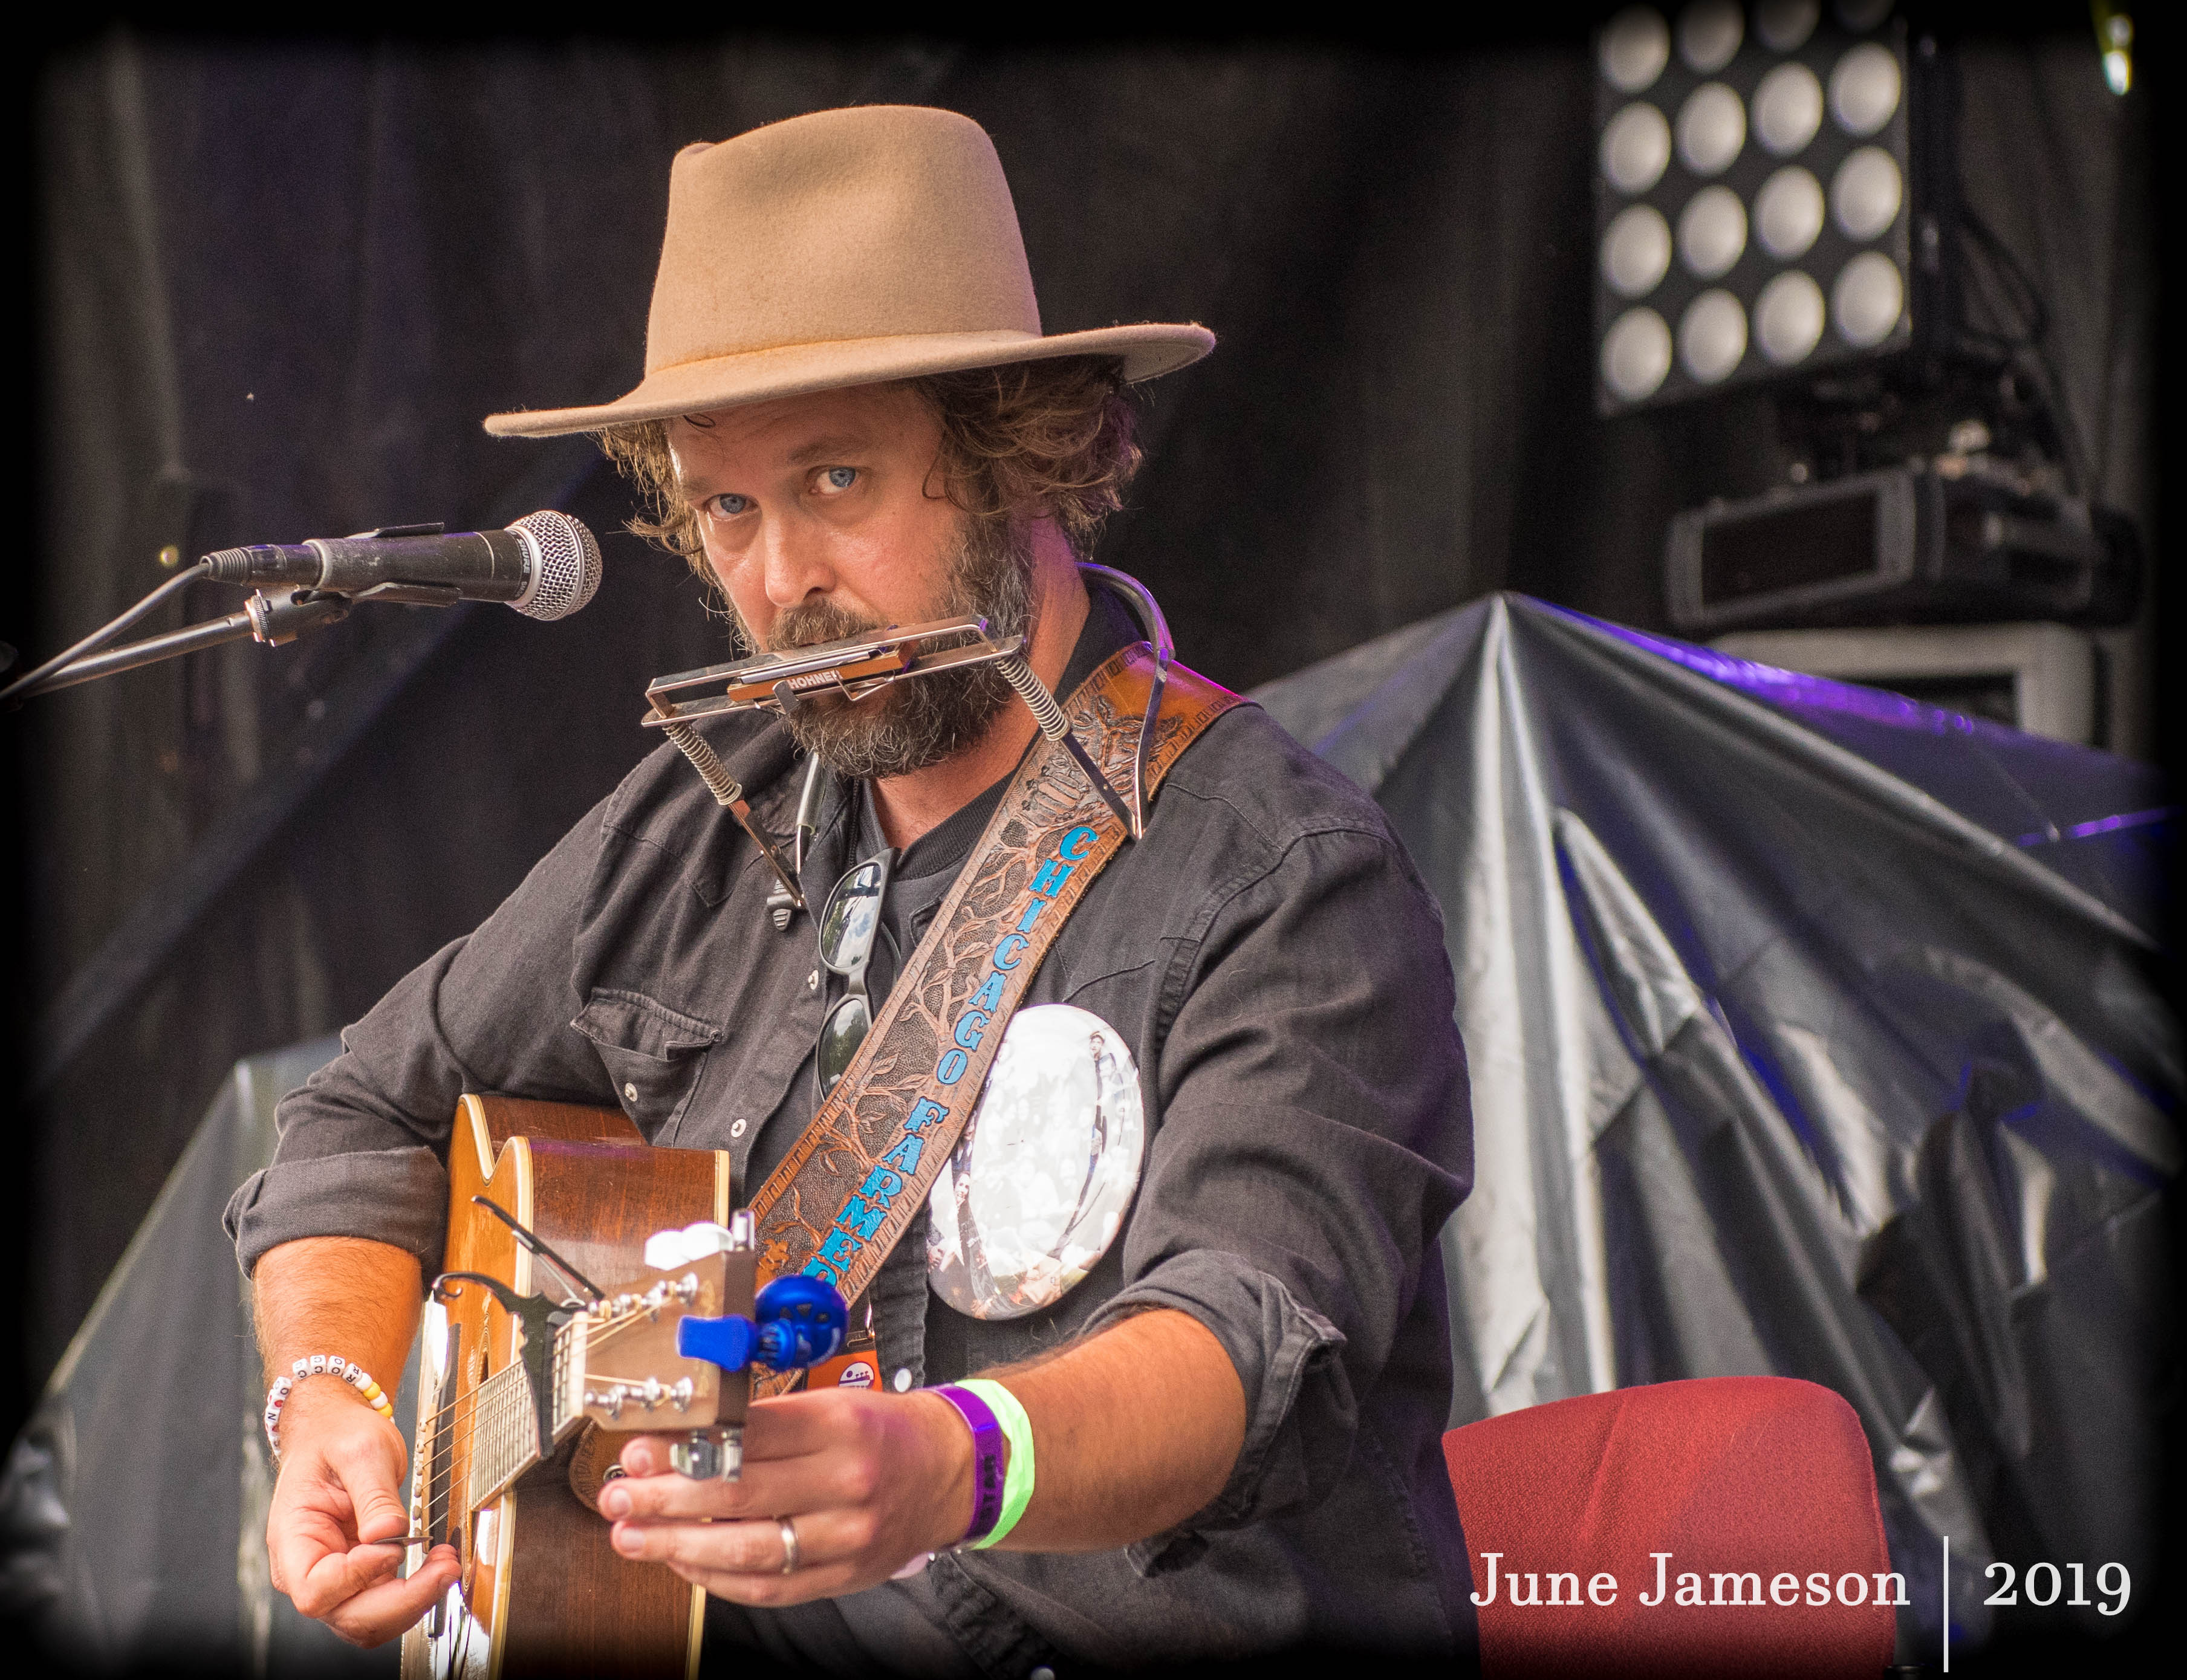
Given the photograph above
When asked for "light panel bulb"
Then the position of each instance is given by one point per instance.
(1866, 192)
(1636, 45)
(1636, 354)
(1867, 300)
(1789, 318)
(1712, 336)
(1636, 149)
(1712, 129)
(1788, 110)
(1865, 89)
(1636, 251)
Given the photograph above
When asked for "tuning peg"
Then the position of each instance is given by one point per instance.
(701, 1457)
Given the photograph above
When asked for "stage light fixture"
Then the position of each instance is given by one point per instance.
(1755, 202)
(1908, 544)
(1798, 159)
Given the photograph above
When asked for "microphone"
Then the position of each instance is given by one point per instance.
(546, 565)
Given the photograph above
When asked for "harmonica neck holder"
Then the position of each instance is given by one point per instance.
(858, 667)
(1148, 610)
(730, 794)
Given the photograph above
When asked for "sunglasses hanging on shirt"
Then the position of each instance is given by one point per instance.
(848, 927)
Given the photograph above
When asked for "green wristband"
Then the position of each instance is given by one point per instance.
(1017, 1481)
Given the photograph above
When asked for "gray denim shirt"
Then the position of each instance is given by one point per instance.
(1279, 969)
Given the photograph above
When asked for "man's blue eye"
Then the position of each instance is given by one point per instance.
(729, 506)
(839, 478)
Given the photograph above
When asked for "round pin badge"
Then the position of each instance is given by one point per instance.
(1036, 1188)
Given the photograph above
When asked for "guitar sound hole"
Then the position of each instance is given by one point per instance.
(440, 1445)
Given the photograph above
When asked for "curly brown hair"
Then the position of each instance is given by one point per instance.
(1055, 438)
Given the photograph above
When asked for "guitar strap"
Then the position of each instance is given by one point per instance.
(855, 1181)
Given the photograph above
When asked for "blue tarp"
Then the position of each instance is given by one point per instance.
(1813, 1032)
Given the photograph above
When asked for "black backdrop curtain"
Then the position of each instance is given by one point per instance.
(281, 282)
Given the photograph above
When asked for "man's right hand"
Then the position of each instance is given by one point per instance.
(340, 1488)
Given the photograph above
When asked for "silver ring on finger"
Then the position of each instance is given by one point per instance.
(789, 1545)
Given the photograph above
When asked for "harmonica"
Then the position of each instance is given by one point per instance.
(853, 667)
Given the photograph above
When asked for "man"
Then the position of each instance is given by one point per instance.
(850, 419)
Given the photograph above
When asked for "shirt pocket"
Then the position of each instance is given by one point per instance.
(654, 1055)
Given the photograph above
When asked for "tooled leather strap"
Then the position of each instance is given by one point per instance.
(857, 1178)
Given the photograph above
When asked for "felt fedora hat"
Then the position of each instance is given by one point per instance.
(843, 247)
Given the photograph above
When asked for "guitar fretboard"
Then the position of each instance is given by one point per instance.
(505, 1420)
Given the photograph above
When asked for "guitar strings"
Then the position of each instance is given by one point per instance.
(476, 1394)
(493, 1387)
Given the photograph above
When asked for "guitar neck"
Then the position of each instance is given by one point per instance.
(505, 1419)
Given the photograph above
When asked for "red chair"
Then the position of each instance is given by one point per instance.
(1743, 1481)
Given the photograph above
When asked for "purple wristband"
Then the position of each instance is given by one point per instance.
(986, 1459)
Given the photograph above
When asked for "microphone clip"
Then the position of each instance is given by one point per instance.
(412, 594)
(277, 621)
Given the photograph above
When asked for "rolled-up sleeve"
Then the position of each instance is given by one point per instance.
(363, 1144)
(1315, 1135)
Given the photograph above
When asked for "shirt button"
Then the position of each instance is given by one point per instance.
(629, 1092)
(813, 980)
(902, 1380)
(737, 1129)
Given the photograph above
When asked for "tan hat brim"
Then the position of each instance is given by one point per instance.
(790, 370)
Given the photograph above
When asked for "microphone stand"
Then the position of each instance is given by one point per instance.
(272, 619)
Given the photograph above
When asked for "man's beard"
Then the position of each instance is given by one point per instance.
(919, 722)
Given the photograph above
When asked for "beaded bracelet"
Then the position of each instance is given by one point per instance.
(321, 1365)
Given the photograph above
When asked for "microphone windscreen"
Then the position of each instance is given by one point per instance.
(565, 565)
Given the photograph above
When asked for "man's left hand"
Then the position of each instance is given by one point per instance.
(869, 1481)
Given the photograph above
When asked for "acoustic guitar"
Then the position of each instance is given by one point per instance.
(525, 1398)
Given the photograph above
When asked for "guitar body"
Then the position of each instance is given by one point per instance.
(542, 1592)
